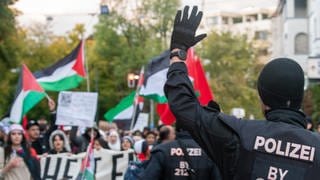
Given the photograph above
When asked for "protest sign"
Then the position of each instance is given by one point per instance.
(108, 165)
(142, 121)
(76, 108)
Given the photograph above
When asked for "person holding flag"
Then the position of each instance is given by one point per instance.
(278, 148)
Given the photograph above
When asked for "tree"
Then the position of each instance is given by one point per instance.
(233, 71)
(122, 45)
(8, 50)
(38, 48)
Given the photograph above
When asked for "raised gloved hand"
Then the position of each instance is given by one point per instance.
(184, 30)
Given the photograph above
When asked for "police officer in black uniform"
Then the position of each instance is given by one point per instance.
(278, 148)
(181, 159)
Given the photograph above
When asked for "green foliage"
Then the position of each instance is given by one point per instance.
(123, 45)
(233, 71)
(8, 51)
(315, 91)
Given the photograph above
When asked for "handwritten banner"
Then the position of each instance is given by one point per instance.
(108, 165)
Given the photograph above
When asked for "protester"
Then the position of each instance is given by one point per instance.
(3, 136)
(103, 128)
(151, 138)
(100, 143)
(137, 135)
(279, 148)
(142, 150)
(196, 166)
(81, 142)
(43, 125)
(166, 134)
(145, 131)
(127, 143)
(40, 143)
(318, 127)
(18, 161)
(114, 141)
(309, 123)
(59, 143)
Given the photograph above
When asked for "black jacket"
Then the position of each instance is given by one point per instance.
(41, 145)
(207, 127)
(168, 162)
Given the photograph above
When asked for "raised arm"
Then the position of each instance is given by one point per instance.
(204, 124)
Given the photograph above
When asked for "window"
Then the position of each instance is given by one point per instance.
(225, 20)
(265, 16)
(252, 17)
(261, 35)
(237, 20)
(212, 20)
(300, 8)
(301, 43)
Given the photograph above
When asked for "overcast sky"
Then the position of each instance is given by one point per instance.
(67, 13)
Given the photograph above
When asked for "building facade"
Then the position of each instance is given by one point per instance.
(296, 34)
(249, 18)
(290, 31)
(314, 27)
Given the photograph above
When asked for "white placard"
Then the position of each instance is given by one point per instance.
(142, 121)
(77, 108)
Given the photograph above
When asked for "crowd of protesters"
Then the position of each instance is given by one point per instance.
(21, 146)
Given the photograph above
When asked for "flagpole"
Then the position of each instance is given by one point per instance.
(86, 64)
(136, 102)
(151, 114)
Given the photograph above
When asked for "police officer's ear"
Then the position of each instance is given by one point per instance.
(213, 106)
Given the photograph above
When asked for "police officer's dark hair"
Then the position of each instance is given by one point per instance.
(164, 133)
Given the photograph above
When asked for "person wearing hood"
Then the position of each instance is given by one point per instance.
(127, 143)
(82, 141)
(279, 147)
(114, 141)
(59, 143)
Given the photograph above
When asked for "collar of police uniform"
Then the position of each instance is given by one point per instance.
(289, 116)
(183, 135)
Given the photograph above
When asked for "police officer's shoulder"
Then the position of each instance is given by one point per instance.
(163, 147)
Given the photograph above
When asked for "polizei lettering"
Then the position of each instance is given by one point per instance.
(287, 149)
(191, 152)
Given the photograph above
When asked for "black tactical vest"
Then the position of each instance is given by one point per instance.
(275, 150)
(175, 166)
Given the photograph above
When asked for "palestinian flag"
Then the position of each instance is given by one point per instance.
(65, 74)
(87, 166)
(123, 112)
(29, 93)
(155, 77)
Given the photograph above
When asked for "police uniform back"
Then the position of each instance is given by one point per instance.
(275, 150)
(168, 161)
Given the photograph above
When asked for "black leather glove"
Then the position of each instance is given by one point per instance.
(184, 30)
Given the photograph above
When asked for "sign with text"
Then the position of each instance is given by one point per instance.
(76, 108)
(142, 121)
(108, 165)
